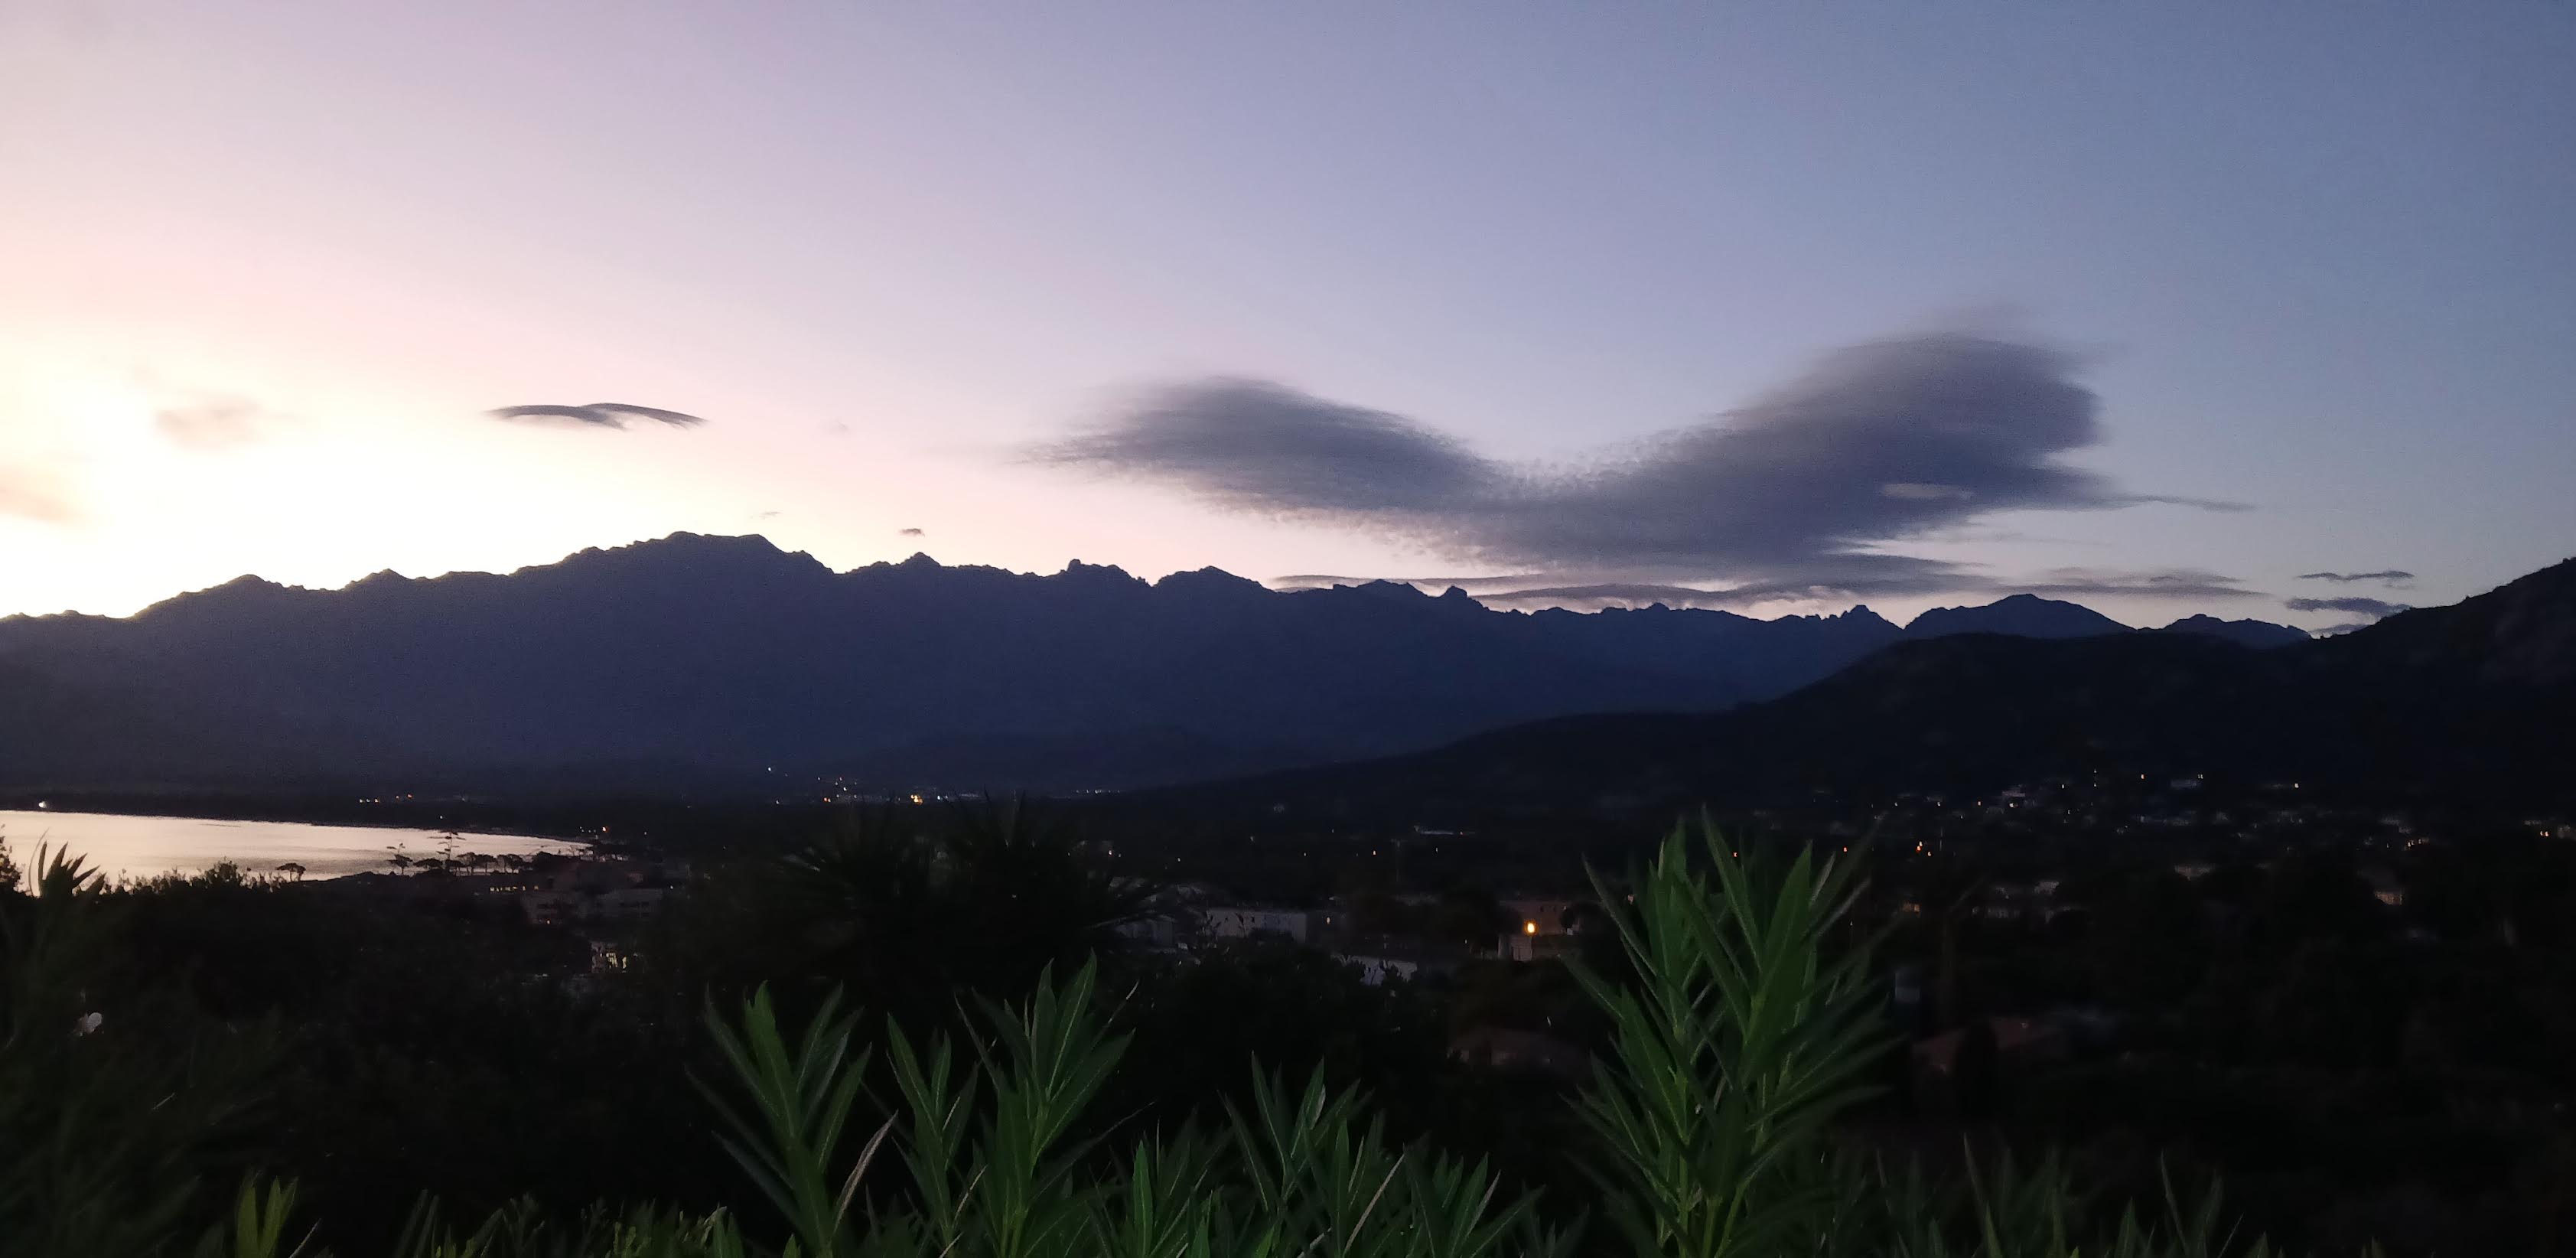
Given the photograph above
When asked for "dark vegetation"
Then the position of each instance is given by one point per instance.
(2350, 1070)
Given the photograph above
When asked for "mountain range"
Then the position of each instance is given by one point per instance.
(716, 661)
(2471, 705)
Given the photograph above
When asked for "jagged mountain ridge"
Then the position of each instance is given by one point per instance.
(729, 655)
(2473, 703)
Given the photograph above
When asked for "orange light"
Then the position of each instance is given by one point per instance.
(1529, 928)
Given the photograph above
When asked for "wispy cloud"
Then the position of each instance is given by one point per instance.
(1795, 494)
(2183, 583)
(2174, 583)
(614, 415)
(33, 494)
(2371, 607)
(2391, 577)
(217, 422)
(907, 532)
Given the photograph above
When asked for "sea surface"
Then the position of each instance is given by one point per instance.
(124, 847)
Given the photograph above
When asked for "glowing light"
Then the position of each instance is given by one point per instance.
(1529, 928)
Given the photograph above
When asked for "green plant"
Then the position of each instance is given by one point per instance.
(1740, 1039)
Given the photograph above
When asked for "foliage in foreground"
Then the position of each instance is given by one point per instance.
(1744, 1025)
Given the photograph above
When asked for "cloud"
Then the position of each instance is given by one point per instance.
(593, 415)
(1794, 494)
(2371, 607)
(29, 494)
(907, 532)
(1320, 580)
(215, 423)
(1609, 592)
(1246, 443)
(2190, 583)
(764, 515)
(2392, 577)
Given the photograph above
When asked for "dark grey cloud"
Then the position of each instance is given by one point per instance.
(2364, 606)
(1792, 494)
(32, 494)
(907, 532)
(1245, 443)
(594, 415)
(2392, 577)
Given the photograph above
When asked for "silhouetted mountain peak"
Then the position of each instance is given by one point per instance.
(1104, 575)
(243, 595)
(690, 553)
(2253, 633)
(1211, 579)
(1860, 614)
(2020, 615)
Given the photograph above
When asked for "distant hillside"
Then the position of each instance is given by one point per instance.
(2253, 633)
(2472, 701)
(697, 660)
(2021, 616)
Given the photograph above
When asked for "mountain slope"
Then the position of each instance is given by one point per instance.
(692, 657)
(731, 655)
(2472, 701)
(2021, 615)
(2253, 633)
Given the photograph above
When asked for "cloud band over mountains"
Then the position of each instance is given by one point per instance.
(594, 415)
(2371, 607)
(2387, 576)
(1793, 494)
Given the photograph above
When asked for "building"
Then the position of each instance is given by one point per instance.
(1542, 915)
(1245, 921)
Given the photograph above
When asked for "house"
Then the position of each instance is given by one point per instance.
(1245, 921)
(1158, 931)
(549, 908)
(1530, 945)
(1541, 915)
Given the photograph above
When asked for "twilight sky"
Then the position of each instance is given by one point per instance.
(2168, 308)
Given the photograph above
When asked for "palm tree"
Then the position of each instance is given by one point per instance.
(399, 859)
(292, 870)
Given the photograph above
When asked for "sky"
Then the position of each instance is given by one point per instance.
(2168, 308)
